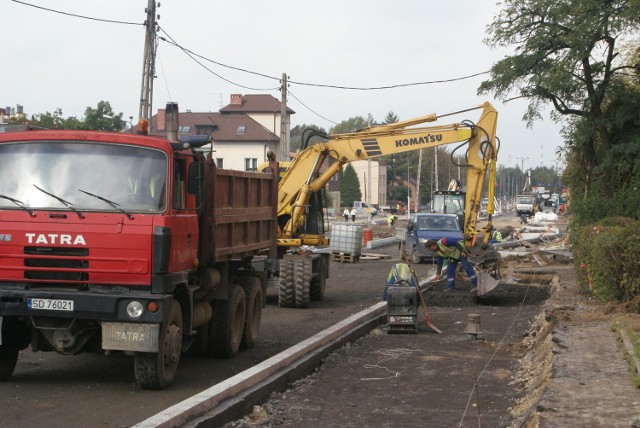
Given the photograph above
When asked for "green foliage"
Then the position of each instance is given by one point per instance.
(349, 187)
(606, 255)
(298, 131)
(391, 117)
(353, 124)
(55, 120)
(102, 118)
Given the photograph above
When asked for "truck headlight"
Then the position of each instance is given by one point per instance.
(135, 309)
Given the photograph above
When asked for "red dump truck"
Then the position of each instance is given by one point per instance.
(129, 243)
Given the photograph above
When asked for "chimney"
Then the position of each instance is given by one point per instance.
(172, 121)
(160, 120)
(236, 99)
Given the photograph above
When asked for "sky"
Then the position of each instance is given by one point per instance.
(55, 60)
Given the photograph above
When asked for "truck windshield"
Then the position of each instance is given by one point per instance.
(134, 178)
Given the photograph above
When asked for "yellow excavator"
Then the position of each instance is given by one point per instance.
(302, 274)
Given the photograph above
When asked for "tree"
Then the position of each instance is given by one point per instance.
(299, 131)
(566, 54)
(55, 120)
(352, 124)
(102, 118)
(391, 117)
(349, 187)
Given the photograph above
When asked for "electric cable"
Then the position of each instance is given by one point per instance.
(74, 15)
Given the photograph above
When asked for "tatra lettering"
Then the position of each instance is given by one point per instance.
(129, 336)
(54, 238)
(425, 139)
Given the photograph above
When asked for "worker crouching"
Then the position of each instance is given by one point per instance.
(453, 252)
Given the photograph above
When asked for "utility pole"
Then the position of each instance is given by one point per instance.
(148, 65)
(284, 137)
(418, 180)
(435, 161)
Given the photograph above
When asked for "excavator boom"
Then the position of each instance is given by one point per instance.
(306, 176)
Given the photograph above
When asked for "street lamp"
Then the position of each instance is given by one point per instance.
(522, 162)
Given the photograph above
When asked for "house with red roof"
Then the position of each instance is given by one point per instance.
(243, 132)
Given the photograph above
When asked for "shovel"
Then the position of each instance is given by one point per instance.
(427, 318)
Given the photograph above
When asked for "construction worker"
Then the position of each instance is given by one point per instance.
(391, 219)
(496, 236)
(453, 252)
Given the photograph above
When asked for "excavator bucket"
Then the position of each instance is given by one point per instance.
(486, 283)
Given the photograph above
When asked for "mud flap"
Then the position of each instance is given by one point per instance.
(486, 282)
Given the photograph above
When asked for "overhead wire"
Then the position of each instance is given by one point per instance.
(74, 15)
(193, 56)
(194, 59)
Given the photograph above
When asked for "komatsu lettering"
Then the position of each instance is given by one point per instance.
(425, 139)
(54, 238)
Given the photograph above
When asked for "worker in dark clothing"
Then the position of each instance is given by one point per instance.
(453, 252)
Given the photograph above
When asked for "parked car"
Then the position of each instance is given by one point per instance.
(428, 226)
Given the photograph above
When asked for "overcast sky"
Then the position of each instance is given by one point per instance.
(53, 60)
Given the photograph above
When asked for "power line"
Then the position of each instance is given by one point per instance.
(192, 55)
(194, 59)
(311, 110)
(110, 21)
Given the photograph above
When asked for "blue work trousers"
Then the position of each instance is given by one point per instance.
(452, 265)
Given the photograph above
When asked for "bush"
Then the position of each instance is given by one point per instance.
(607, 255)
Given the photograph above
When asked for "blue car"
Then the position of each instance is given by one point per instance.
(429, 226)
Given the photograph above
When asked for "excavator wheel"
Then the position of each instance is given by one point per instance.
(319, 282)
(302, 282)
(286, 288)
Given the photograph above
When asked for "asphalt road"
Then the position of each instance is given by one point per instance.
(98, 390)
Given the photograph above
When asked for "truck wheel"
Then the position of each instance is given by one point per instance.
(227, 324)
(302, 283)
(287, 288)
(319, 282)
(253, 295)
(415, 258)
(8, 359)
(156, 370)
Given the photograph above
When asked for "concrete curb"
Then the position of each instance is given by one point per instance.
(275, 368)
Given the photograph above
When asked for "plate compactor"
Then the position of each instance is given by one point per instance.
(403, 296)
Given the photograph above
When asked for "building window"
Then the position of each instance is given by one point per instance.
(250, 164)
(241, 129)
(219, 162)
(184, 129)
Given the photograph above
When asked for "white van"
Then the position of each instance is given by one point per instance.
(364, 209)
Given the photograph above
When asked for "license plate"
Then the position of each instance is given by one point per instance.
(123, 336)
(50, 304)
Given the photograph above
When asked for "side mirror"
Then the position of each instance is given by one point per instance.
(195, 178)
